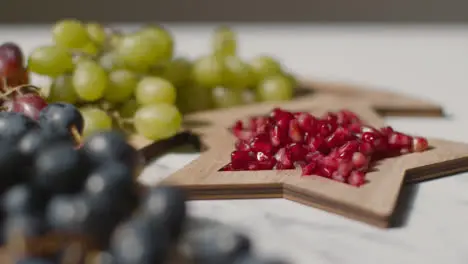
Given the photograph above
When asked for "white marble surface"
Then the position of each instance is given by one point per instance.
(430, 61)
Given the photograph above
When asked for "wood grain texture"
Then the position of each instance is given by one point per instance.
(384, 102)
(373, 203)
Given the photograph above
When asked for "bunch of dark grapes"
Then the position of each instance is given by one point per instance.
(66, 201)
(134, 82)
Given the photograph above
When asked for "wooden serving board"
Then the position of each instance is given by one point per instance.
(384, 102)
(373, 203)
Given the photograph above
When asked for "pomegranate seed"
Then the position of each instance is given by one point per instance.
(278, 114)
(277, 136)
(317, 144)
(399, 140)
(420, 144)
(359, 160)
(309, 169)
(327, 167)
(368, 129)
(242, 145)
(267, 164)
(261, 144)
(337, 146)
(238, 126)
(299, 164)
(324, 129)
(355, 128)
(243, 135)
(345, 168)
(295, 132)
(338, 177)
(240, 159)
(338, 138)
(386, 130)
(346, 151)
(314, 156)
(376, 140)
(366, 148)
(357, 178)
(297, 152)
(262, 156)
(307, 122)
(283, 157)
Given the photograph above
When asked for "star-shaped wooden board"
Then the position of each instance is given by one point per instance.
(384, 102)
(373, 203)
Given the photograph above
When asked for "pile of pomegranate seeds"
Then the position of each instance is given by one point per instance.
(337, 145)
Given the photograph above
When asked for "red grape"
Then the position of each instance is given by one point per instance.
(11, 59)
(28, 104)
(12, 66)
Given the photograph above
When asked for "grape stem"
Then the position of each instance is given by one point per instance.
(76, 135)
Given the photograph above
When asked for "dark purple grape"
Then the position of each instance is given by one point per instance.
(77, 214)
(107, 146)
(59, 168)
(166, 204)
(24, 225)
(140, 242)
(24, 199)
(14, 125)
(11, 164)
(61, 116)
(113, 181)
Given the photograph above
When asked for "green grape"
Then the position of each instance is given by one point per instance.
(224, 42)
(275, 88)
(90, 48)
(115, 39)
(121, 86)
(90, 80)
(176, 71)
(142, 50)
(191, 98)
(157, 122)
(237, 74)
(264, 66)
(110, 61)
(70, 33)
(50, 60)
(62, 90)
(292, 79)
(128, 109)
(162, 39)
(96, 33)
(155, 90)
(95, 120)
(208, 71)
(224, 97)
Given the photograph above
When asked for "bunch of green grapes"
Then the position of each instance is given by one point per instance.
(133, 81)
(232, 81)
(117, 80)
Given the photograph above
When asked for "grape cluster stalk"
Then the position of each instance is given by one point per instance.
(133, 80)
